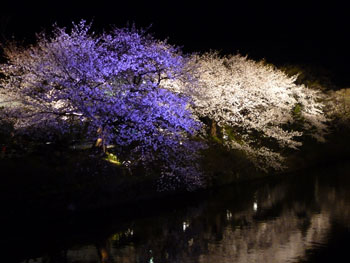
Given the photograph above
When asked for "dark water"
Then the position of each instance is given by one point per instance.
(301, 218)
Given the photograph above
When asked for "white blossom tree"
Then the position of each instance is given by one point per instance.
(251, 102)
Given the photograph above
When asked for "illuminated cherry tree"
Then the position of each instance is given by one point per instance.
(338, 107)
(251, 103)
(110, 85)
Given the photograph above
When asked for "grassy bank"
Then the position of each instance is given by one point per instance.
(68, 183)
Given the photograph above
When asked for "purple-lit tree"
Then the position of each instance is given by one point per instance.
(110, 85)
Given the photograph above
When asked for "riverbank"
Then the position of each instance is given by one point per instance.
(67, 184)
(53, 183)
(74, 184)
(61, 185)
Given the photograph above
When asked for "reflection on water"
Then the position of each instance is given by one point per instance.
(291, 221)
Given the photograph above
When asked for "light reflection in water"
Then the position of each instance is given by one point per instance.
(289, 220)
(255, 206)
(185, 225)
(228, 215)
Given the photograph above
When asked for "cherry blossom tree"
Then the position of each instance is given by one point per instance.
(109, 85)
(254, 105)
(338, 107)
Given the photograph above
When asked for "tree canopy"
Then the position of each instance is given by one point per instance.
(109, 84)
(253, 102)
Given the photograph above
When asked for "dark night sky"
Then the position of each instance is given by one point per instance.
(291, 31)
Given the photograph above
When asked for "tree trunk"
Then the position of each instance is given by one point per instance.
(213, 130)
(100, 142)
(104, 251)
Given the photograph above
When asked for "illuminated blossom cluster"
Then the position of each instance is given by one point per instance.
(110, 85)
(254, 100)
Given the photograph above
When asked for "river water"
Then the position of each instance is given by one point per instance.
(299, 218)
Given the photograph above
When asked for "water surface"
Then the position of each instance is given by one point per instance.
(301, 218)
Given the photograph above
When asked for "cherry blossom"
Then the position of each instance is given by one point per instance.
(256, 102)
(110, 86)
